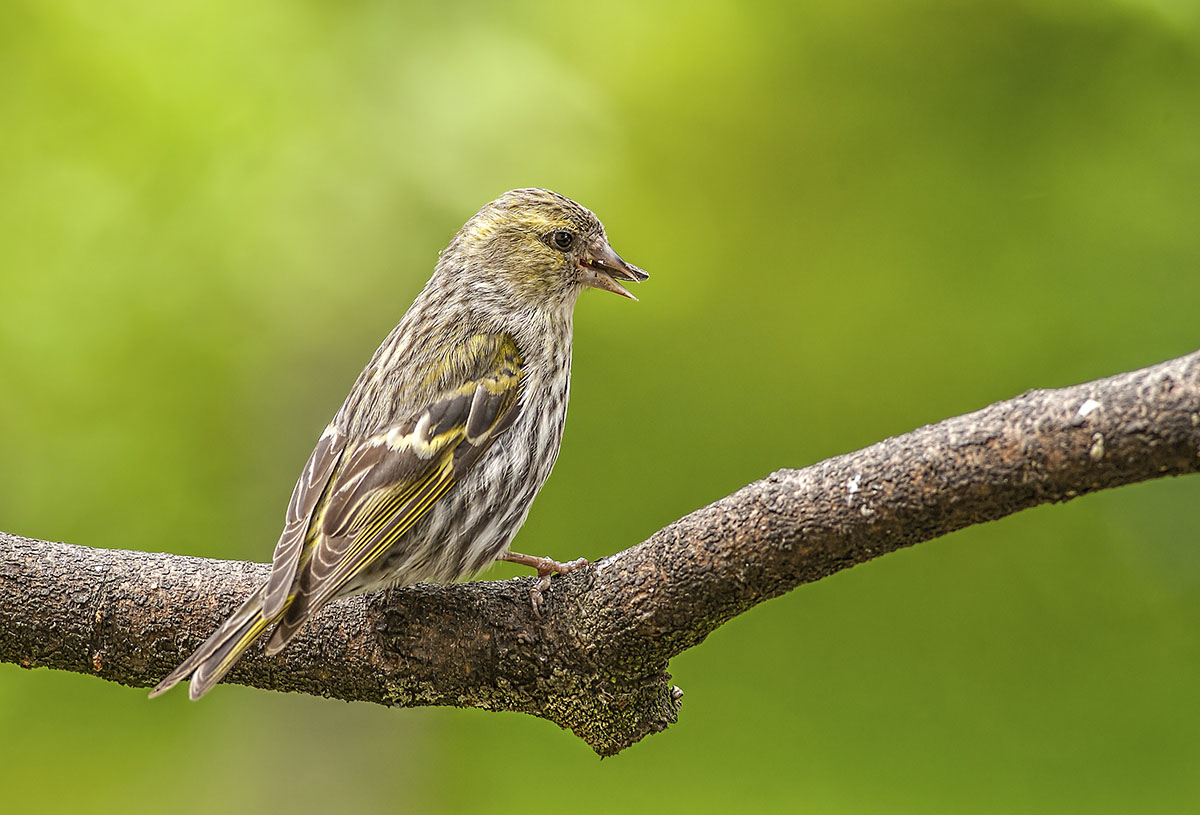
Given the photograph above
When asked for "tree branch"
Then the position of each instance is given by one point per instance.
(596, 661)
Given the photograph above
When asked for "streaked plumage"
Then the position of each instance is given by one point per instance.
(430, 466)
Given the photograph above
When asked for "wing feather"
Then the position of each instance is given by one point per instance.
(389, 481)
(311, 485)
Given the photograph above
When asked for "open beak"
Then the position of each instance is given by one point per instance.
(601, 268)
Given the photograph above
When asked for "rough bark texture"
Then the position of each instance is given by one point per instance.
(596, 661)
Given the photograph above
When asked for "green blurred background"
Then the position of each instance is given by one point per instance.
(859, 218)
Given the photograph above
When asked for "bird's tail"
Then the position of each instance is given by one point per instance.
(221, 651)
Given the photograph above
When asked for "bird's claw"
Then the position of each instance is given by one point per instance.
(535, 594)
(545, 568)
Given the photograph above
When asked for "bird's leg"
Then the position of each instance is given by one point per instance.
(545, 567)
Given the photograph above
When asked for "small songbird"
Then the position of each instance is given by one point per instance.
(430, 466)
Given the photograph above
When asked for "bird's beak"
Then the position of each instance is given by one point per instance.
(601, 268)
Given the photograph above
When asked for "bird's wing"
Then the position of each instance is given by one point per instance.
(388, 481)
(312, 484)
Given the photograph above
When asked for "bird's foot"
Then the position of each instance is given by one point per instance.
(545, 568)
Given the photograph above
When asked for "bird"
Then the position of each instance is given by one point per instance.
(431, 464)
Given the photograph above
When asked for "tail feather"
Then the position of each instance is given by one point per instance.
(294, 618)
(212, 660)
(213, 669)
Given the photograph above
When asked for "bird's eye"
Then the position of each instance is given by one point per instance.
(562, 240)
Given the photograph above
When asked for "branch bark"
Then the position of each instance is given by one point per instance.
(596, 661)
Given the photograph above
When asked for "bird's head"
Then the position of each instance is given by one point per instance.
(540, 248)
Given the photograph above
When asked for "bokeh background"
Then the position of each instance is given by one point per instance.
(859, 218)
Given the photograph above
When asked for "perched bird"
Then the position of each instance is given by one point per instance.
(430, 466)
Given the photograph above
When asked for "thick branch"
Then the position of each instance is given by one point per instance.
(595, 662)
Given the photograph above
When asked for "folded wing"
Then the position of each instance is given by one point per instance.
(384, 484)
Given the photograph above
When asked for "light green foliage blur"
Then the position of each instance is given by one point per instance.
(858, 217)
